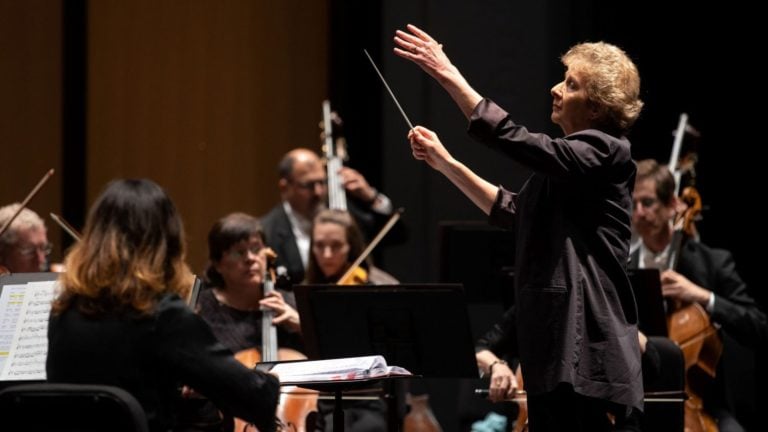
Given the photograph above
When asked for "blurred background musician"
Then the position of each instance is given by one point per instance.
(706, 276)
(121, 320)
(336, 243)
(24, 247)
(232, 300)
(303, 191)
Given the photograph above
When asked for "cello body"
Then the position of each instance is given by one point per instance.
(690, 328)
(295, 404)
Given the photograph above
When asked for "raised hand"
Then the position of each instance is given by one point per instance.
(422, 49)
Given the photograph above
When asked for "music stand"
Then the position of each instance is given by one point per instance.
(646, 285)
(421, 327)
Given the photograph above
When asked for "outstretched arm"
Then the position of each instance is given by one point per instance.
(420, 48)
(426, 146)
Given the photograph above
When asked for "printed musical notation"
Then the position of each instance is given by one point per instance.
(24, 311)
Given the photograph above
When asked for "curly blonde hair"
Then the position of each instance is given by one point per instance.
(131, 252)
(612, 82)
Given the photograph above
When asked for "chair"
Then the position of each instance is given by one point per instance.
(52, 407)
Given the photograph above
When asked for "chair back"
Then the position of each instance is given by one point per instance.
(53, 407)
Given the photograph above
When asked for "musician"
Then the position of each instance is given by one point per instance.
(336, 243)
(231, 304)
(576, 318)
(24, 247)
(120, 319)
(303, 190)
(704, 275)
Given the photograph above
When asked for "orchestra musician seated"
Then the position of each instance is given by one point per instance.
(336, 243)
(24, 247)
(706, 276)
(120, 318)
(303, 185)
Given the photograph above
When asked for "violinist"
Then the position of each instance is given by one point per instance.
(24, 247)
(336, 242)
(703, 275)
(120, 318)
(303, 191)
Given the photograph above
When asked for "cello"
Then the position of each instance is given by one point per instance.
(334, 148)
(690, 328)
(689, 325)
(296, 403)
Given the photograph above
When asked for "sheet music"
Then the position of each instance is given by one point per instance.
(336, 369)
(11, 298)
(29, 345)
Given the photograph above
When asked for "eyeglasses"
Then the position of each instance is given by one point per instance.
(646, 202)
(30, 251)
(310, 184)
(241, 253)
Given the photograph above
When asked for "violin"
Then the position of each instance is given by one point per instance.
(358, 276)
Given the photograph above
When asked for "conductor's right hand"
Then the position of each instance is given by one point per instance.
(426, 146)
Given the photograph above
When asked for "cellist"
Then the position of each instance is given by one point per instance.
(703, 275)
(233, 299)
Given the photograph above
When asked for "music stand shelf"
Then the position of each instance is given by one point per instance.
(421, 327)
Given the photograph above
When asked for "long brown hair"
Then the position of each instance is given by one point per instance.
(354, 237)
(131, 252)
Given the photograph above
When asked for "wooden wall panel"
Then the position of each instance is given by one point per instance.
(30, 106)
(203, 97)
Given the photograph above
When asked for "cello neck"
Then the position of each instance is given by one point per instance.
(268, 330)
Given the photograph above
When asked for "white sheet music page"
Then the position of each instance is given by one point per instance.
(349, 368)
(29, 344)
(11, 298)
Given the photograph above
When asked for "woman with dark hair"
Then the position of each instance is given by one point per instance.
(120, 319)
(336, 242)
(232, 305)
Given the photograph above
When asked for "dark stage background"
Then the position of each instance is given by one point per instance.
(204, 97)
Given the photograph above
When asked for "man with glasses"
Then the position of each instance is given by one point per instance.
(706, 276)
(303, 190)
(24, 247)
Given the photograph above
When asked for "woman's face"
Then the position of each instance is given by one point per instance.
(330, 247)
(242, 264)
(571, 109)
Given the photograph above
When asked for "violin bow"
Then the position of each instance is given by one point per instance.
(384, 230)
(66, 226)
(26, 200)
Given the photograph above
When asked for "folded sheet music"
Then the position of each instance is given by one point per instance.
(341, 369)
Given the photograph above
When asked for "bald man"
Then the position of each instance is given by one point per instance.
(303, 190)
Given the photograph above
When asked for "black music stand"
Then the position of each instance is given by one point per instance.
(423, 328)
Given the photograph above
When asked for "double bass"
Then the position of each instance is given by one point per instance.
(689, 325)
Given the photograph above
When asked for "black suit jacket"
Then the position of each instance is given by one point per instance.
(576, 315)
(744, 327)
